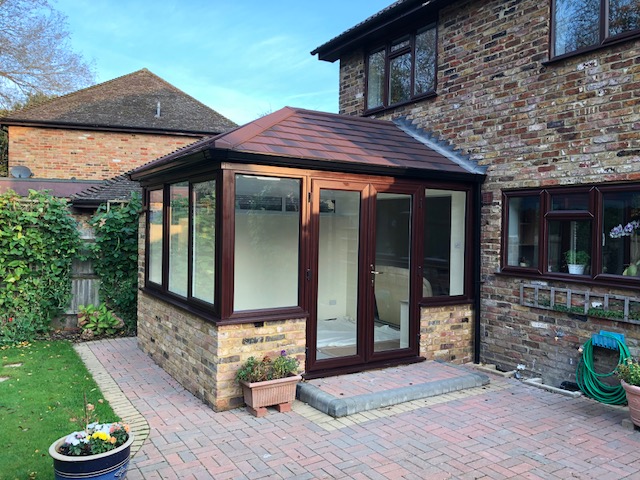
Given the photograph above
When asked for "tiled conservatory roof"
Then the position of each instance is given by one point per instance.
(312, 139)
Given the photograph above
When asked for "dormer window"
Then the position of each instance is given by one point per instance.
(402, 70)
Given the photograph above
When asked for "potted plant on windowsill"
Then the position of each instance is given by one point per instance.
(269, 382)
(576, 261)
(629, 374)
(100, 451)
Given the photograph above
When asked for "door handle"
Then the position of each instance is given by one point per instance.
(374, 272)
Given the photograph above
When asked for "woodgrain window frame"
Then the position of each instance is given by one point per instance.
(600, 29)
(588, 208)
(394, 50)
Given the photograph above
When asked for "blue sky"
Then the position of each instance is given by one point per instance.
(243, 58)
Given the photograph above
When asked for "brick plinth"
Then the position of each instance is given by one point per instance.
(446, 333)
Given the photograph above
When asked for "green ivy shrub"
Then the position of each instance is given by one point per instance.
(38, 241)
(115, 257)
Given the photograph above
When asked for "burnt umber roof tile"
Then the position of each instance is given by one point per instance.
(296, 134)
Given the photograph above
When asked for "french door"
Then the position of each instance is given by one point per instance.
(363, 308)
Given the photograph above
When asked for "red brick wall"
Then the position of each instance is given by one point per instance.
(86, 155)
(569, 122)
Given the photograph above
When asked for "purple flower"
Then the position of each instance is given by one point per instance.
(629, 229)
(283, 353)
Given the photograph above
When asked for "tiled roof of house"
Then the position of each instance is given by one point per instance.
(376, 27)
(313, 139)
(117, 188)
(130, 102)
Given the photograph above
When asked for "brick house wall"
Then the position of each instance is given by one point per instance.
(84, 154)
(574, 121)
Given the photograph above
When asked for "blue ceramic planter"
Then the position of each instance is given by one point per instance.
(111, 465)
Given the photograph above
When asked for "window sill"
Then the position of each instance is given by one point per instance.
(584, 51)
(208, 315)
(443, 301)
(383, 110)
(205, 313)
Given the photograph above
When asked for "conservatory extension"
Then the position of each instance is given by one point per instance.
(348, 242)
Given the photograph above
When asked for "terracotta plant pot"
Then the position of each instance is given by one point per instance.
(280, 393)
(633, 399)
(109, 465)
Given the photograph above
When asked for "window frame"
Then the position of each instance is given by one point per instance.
(222, 312)
(604, 39)
(289, 311)
(189, 302)
(468, 254)
(593, 213)
(389, 55)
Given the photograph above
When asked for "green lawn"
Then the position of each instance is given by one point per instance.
(41, 400)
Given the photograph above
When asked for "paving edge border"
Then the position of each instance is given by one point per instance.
(115, 396)
(342, 407)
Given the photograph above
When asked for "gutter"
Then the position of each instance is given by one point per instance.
(104, 128)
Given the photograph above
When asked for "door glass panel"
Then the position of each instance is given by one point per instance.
(390, 274)
(337, 310)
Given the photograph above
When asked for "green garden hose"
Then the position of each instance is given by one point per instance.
(589, 381)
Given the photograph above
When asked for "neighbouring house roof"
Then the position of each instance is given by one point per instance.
(378, 26)
(114, 189)
(311, 139)
(57, 188)
(128, 103)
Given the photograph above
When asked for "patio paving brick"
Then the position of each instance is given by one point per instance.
(502, 430)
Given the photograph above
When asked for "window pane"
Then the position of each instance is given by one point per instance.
(425, 63)
(570, 201)
(624, 16)
(620, 238)
(178, 237)
(400, 44)
(375, 79)
(266, 243)
(444, 243)
(576, 23)
(569, 245)
(204, 240)
(523, 231)
(400, 79)
(155, 236)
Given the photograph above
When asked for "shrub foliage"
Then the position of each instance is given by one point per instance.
(115, 257)
(38, 241)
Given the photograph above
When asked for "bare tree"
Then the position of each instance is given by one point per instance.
(35, 55)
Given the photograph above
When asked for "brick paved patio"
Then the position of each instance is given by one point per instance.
(503, 430)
